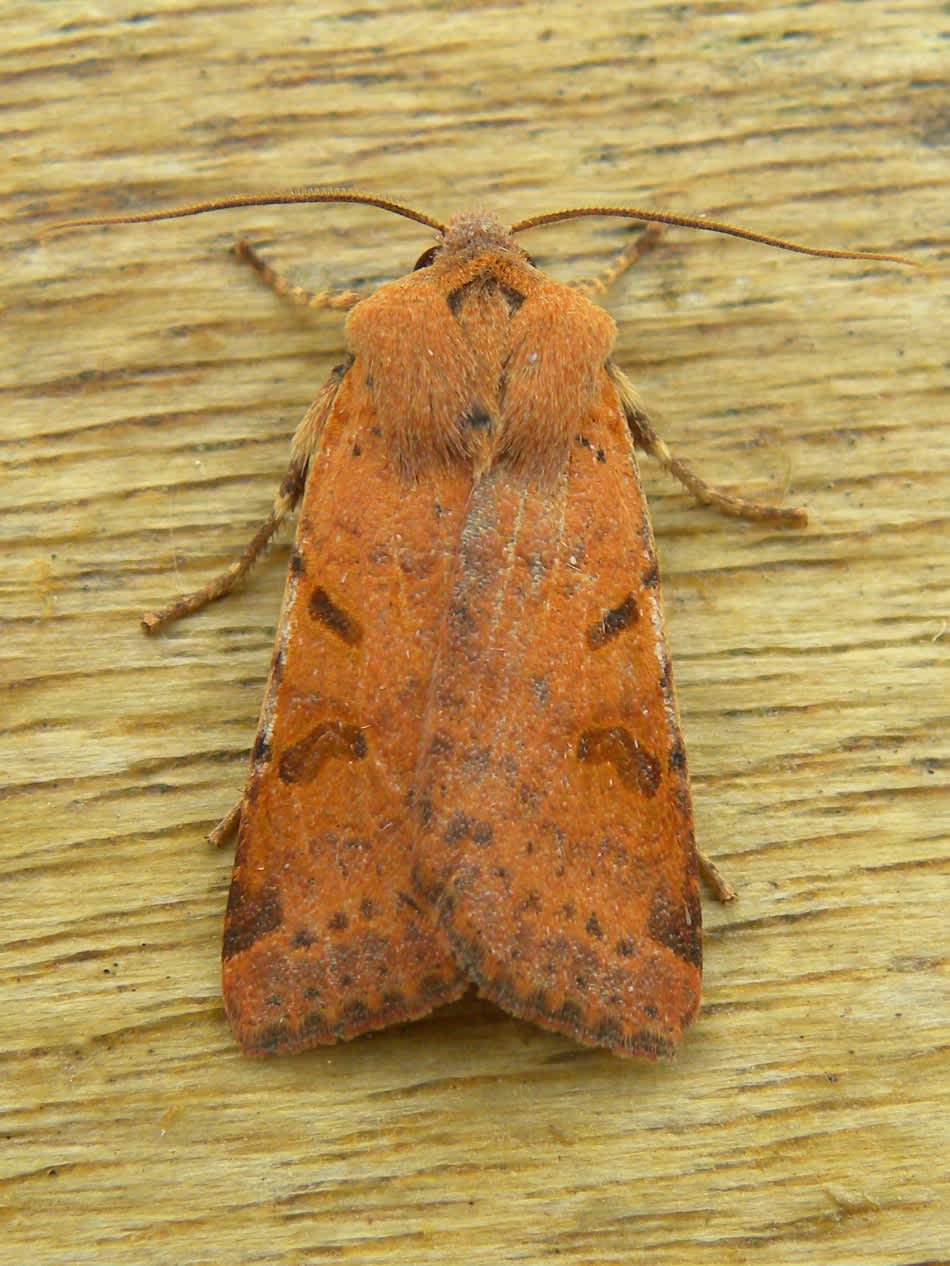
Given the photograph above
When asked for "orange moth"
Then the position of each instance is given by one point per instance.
(469, 768)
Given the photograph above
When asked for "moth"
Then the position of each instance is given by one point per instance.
(469, 768)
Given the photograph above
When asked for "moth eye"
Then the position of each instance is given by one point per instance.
(427, 257)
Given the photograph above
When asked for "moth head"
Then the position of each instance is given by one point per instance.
(470, 234)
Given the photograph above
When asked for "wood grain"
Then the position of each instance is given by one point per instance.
(150, 386)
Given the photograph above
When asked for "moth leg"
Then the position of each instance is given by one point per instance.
(639, 246)
(305, 443)
(721, 888)
(227, 826)
(222, 584)
(646, 438)
(281, 285)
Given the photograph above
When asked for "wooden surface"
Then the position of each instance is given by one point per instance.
(150, 386)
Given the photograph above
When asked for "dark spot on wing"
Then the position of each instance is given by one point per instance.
(637, 769)
(675, 924)
(250, 915)
(569, 1013)
(277, 666)
(677, 759)
(593, 927)
(613, 622)
(531, 902)
(441, 744)
(483, 834)
(459, 827)
(330, 740)
(355, 1016)
(334, 617)
(461, 621)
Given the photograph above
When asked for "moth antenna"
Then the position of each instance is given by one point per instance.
(258, 200)
(710, 226)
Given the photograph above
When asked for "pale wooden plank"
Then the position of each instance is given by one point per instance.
(150, 387)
